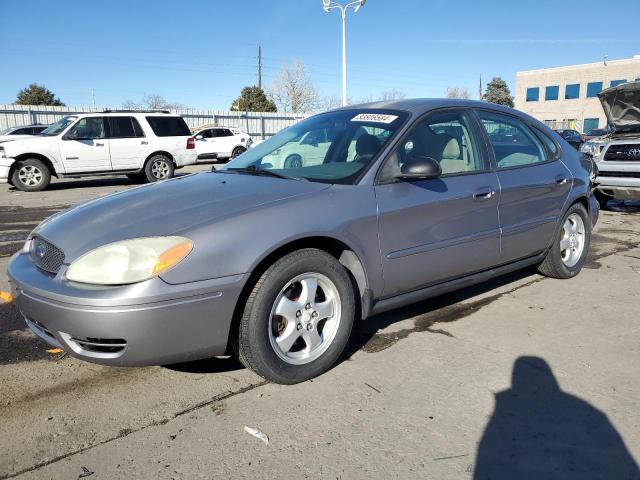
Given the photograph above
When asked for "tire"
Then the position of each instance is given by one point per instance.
(575, 236)
(312, 333)
(293, 161)
(238, 151)
(158, 167)
(31, 175)
(602, 198)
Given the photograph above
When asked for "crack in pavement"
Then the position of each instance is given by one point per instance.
(128, 431)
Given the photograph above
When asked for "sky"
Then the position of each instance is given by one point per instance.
(202, 52)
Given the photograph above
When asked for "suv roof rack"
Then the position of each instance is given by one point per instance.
(108, 110)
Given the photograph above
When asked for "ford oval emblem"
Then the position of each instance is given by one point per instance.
(40, 251)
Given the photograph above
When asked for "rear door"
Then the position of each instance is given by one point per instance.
(438, 229)
(534, 184)
(85, 148)
(128, 143)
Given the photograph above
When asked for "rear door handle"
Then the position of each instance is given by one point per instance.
(99, 144)
(483, 194)
(561, 179)
(143, 142)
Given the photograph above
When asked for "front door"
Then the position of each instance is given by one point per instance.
(534, 184)
(438, 229)
(85, 148)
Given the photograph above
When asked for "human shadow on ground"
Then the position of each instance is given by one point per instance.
(537, 431)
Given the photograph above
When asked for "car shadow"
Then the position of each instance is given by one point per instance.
(369, 335)
(207, 365)
(538, 431)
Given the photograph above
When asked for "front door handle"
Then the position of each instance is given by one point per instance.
(561, 179)
(483, 194)
(99, 144)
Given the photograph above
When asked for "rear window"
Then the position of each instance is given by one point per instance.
(169, 126)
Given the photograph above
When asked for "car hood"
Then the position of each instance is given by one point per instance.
(621, 105)
(165, 208)
(25, 143)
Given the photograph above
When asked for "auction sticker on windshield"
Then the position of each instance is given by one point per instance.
(374, 117)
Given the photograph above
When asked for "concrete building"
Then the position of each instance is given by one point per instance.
(566, 97)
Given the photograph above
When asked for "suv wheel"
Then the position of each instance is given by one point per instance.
(298, 318)
(238, 151)
(31, 175)
(158, 167)
(293, 161)
(571, 246)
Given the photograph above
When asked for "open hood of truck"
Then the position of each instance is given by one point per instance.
(621, 105)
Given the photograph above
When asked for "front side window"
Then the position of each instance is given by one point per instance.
(58, 127)
(87, 128)
(446, 137)
(124, 127)
(571, 92)
(551, 92)
(513, 142)
(333, 147)
(593, 89)
(205, 133)
(533, 94)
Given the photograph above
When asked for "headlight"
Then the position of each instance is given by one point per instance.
(129, 261)
(589, 148)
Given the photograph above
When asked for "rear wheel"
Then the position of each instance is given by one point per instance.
(238, 151)
(298, 318)
(158, 167)
(569, 251)
(31, 175)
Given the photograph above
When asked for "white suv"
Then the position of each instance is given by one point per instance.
(221, 143)
(144, 145)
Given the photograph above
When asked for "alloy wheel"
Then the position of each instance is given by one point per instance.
(30, 175)
(572, 239)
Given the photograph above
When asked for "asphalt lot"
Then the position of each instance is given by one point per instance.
(520, 371)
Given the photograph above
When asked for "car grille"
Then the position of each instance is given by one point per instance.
(619, 174)
(100, 345)
(46, 255)
(625, 152)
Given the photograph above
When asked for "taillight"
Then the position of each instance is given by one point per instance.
(191, 143)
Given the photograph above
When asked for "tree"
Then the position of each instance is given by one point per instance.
(393, 94)
(253, 99)
(293, 91)
(498, 92)
(152, 101)
(36, 94)
(457, 92)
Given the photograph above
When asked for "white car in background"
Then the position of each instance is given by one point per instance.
(23, 131)
(221, 143)
(143, 145)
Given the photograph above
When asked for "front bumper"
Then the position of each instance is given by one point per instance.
(5, 167)
(149, 323)
(621, 188)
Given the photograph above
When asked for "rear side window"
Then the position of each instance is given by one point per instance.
(169, 126)
(552, 148)
(124, 127)
(513, 142)
(224, 132)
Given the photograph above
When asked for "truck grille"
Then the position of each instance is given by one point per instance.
(619, 174)
(46, 255)
(626, 152)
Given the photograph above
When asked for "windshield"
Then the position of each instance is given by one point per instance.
(333, 147)
(59, 126)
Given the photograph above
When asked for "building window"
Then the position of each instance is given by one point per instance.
(533, 94)
(590, 124)
(615, 83)
(551, 93)
(593, 89)
(572, 91)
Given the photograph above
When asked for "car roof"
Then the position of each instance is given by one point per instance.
(120, 113)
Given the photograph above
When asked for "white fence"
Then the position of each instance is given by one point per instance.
(256, 124)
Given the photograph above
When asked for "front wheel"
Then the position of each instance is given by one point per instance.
(158, 167)
(238, 151)
(298, 318)
(31, 175)
(570, 248)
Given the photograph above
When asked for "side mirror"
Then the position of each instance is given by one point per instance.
(199, 137)
(72, 135)
(420, 168)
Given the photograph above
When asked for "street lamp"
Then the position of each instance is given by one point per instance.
(329, 5)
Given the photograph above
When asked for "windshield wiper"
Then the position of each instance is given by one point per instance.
(253, 170)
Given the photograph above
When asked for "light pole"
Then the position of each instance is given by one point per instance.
(329, 5)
